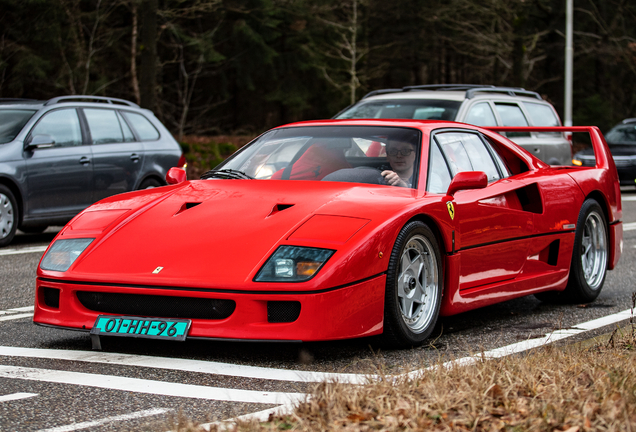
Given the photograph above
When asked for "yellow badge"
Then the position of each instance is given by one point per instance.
(451, 209)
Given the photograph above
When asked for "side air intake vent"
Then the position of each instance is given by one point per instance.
(530, 199)
(282, 311)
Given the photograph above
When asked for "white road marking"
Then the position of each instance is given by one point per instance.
(23, 250)
(138, 385)
(16, 310)
(532, 343)
(101, 422)
(629, 226)
(185, 365)
(628, 198)
(17, 396)
(258, 416)
(15, 317)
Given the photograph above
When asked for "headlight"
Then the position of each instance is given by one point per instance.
(63, 253)
(293, 264)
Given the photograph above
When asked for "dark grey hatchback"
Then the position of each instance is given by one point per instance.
(59, 156)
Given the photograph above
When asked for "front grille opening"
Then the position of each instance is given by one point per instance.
(51, 297)
(282, 311)
(157, 306)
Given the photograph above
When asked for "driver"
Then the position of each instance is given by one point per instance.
(401, 157)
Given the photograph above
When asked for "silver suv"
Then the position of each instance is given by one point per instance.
(59, 156)
(474, 104)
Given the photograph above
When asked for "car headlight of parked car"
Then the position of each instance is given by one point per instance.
(293, 264)
(63, 254)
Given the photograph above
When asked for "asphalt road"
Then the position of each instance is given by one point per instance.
(50, 379)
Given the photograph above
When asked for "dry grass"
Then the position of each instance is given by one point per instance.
(570, 388)
(552, 389)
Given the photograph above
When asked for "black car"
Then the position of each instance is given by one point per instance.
(622, 143)
(59, 156)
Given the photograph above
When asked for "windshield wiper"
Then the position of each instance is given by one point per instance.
(226, 174)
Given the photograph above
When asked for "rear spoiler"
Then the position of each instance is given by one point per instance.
(601, 150)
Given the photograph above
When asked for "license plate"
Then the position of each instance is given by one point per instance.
(151, 328)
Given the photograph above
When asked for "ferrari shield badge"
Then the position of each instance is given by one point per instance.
(451, 209)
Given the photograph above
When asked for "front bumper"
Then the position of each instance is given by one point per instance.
(347, 312)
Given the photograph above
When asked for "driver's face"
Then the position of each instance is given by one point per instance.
(401, 156)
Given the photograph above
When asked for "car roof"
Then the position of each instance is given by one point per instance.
(416, 124)
(457, 92)
(76, 99)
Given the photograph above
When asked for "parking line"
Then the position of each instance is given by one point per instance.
(17, 396)
(101, 422)
(23, 250)
(629, 226)
(15, 317)
(532, 343)
(16, 310)
(184, 365)
(138, 385)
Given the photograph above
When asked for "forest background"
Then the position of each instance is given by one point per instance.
(239, 67)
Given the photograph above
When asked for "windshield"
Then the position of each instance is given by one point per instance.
(622, 134)
(12, 122)
(421, 109)
(361, 154)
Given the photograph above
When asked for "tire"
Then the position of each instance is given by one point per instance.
(149, 183)
(589, 258)
(34, 229)
(414, 284)
(8, 216)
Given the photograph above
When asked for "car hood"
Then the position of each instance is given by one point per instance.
(220, 232)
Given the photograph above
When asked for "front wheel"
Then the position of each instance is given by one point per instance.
(8, 216)
(414, 284)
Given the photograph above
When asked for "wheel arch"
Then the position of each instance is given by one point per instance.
(151, 176)
(600, 198)
(434, 226)
(15, 190)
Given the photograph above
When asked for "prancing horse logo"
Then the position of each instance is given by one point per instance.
(451, 209)
(157, 270)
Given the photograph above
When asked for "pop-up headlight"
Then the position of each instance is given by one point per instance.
(63, 253)
(293, 264)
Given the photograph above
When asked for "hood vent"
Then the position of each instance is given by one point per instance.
(278, 208)
(187, 206)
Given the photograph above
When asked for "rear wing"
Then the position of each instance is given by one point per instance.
(601, 150)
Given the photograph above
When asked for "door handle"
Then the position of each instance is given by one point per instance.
(84, 160)
(134, 157)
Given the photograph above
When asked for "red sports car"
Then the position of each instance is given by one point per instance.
(337, 229)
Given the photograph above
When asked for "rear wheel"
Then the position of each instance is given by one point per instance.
(8, 216)
(589, 258)
(414, 287)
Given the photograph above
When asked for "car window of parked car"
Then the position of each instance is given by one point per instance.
(511, 115)
(104, 126)
(128, 135)
(481, 115)
(622, 134)
(145, 130)
(467, 152)
(420, 109)
(439, 177)
(542, 115)
(12, 122)
(62, 125)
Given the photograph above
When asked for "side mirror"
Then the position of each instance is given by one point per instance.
(175, 176)
(40, 141)
(467, 180)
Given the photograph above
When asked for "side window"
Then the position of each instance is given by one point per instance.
(542, 115)
(104, 126)
(62, 125)
(438, 176)
(467, 152)
(481, 115)
(145, 130)
(128, 135)
(511, 115)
